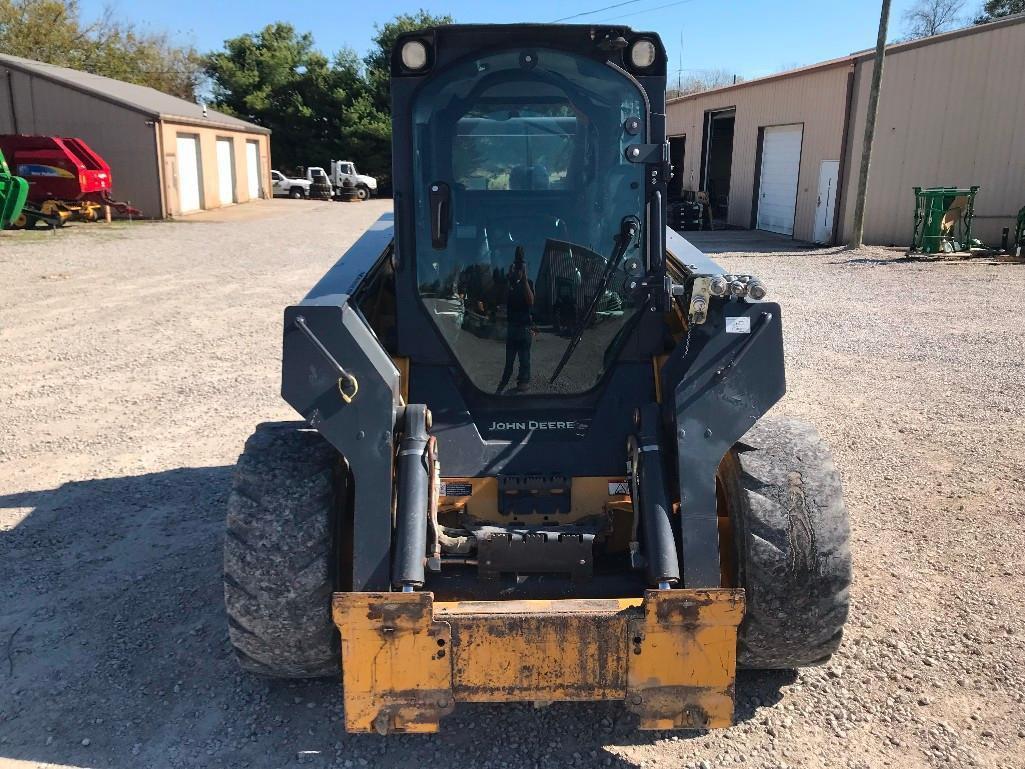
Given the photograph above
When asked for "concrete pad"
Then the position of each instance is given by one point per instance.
(753, 241)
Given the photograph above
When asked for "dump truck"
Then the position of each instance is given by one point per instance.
(536, 461)
(343, 173)
(67, 179)
(13, 192)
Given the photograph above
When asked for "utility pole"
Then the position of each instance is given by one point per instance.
(858, 236)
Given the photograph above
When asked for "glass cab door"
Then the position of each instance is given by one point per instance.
(529, 217)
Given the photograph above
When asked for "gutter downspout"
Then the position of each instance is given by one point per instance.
(158, 136)
(841, 176)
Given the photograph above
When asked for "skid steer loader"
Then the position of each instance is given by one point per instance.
(533, 463)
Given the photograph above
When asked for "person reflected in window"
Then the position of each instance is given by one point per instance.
(520, 322)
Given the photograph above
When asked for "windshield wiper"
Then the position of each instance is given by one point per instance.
(627, 232)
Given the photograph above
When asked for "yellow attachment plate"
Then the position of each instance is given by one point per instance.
(684, 658)
(396, 670)
(406, 659)
(539, 650)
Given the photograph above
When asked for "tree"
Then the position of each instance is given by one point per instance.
(52, 31)
(372, 132)
(317, 109)
(931, 17)
(997, 9)
(276, 78)
(702, 80)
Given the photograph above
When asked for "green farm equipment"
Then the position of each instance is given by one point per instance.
(943, 220)
(13, 192)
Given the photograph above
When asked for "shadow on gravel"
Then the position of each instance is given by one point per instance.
(741, 242)
(114, 654)
(872, 262)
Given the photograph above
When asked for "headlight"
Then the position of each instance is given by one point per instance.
(642, 53)
(414, 54)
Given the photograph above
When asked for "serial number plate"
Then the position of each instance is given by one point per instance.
(741, 325)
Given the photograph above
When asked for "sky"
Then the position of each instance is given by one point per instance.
(750, 38)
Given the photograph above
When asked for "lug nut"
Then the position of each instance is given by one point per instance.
(719, 286)
(738, 289)
(756, 289)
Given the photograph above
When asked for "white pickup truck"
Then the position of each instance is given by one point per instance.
(342, 170)
(289, 188)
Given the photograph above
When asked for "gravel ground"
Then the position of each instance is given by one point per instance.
(134, 361)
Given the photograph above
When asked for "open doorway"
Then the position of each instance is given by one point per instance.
(677, 156)
(717, 162)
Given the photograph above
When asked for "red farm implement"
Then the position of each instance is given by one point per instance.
(67, 180)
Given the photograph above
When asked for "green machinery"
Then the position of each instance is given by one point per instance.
(943, 220)
(13, 192)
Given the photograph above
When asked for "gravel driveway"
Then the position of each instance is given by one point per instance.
(135, 360)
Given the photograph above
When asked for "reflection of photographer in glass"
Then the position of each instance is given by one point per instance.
(519, 335)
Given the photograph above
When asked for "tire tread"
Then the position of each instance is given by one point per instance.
(277, 554)
(792, 538)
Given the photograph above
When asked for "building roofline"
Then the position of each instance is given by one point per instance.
(974, 29)
(37, 70)
(858, 56)
(251, 128)
(822, 65)
(45, 71)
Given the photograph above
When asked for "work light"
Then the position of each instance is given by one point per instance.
(642, 53)
(414, 54)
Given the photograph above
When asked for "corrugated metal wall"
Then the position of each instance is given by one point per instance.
(815, 98)
(951, 113)
(121, 136)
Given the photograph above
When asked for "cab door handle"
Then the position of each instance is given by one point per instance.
(441, 214)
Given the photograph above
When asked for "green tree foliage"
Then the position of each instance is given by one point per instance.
(318, 109)
(997, 9)
(53, 31)
(370, 134)
(276, 78)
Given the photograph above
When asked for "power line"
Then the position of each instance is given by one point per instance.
(646, 10)
(596, 10)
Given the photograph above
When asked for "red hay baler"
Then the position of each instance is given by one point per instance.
(67, 179)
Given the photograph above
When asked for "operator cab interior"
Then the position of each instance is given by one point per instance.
(522, 185)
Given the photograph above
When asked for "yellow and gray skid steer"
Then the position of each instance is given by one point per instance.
(534, 462)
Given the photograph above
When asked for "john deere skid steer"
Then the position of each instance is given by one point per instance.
(533, 463)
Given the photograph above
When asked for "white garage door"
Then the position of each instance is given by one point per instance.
(253, 169)
(189, 198)
(225, 172)
(777, 186)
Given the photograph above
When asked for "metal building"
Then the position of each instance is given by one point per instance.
(167, 155)
(781, 153)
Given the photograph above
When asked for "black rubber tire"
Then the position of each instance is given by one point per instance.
(279, 554)
(363, 192)
(296, 193)
(791, 535)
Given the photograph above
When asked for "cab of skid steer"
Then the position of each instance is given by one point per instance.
(529, 159)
